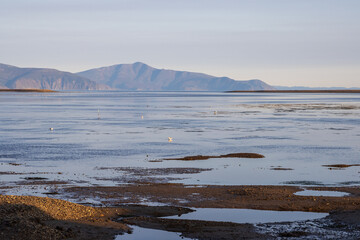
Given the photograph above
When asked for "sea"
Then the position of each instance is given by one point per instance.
(81, 136)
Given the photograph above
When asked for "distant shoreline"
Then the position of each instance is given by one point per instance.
(296, 91)
(26, 90)
(234, 91)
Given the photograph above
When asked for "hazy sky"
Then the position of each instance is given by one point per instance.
(282, 42)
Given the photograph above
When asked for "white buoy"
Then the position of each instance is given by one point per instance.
(170, 139)
(142, 117)
(51, 129)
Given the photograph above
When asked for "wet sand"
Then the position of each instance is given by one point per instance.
(145, 197)
(278, 198)
(61, 219)
(25, 217)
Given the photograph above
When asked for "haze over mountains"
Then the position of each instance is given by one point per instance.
(44, 78)
(126, 77)
(139, 76)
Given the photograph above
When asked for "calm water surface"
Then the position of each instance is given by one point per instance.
(301, 132)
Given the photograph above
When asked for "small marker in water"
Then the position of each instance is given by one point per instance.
(170, 139)
(51, 129)
(142, 117)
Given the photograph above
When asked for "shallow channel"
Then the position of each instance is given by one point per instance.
(140, 233)
(247, 215)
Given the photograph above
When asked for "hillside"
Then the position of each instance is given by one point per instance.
(42, 78)
(139, 76)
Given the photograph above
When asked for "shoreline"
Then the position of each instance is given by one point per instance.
(294, 91)
(259, 197)
(233, 91)
(63, 219)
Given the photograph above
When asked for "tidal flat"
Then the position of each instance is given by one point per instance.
(110, 151)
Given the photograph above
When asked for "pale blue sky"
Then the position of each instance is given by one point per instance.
(283, 42)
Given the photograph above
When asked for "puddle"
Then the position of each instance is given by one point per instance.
(247, 215)
(140, 233)
(321, 193)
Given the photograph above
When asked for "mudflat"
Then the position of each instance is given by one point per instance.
(27, 217)
(60, 219)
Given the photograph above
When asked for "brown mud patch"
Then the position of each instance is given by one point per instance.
(340, 166)
(230, 155)
(278, 198)
(14, 164)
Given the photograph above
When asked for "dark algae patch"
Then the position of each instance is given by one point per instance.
(35, 178)
(230, 155)
(138, 171)
(281, 168)
(340, 166)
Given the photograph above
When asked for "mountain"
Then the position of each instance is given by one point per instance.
(139, 76)
(43, 78)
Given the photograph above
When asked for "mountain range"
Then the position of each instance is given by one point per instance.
(43, 78)
(126, 77)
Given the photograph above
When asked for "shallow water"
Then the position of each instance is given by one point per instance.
(321, 193)
(140, 233)
(248, 215)
(301, 132)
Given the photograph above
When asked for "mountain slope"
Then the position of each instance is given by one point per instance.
(42, 78)
(139, 76)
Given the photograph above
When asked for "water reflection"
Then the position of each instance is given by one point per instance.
(312, 130)
(140, 233)
(248, 215)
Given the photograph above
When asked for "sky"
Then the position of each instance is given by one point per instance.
(312, 43)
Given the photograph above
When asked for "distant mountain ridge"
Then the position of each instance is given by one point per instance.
(139, 76)
(126, 77)
(43, 78)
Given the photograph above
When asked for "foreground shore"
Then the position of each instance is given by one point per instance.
(38, 217)
(103, 212)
